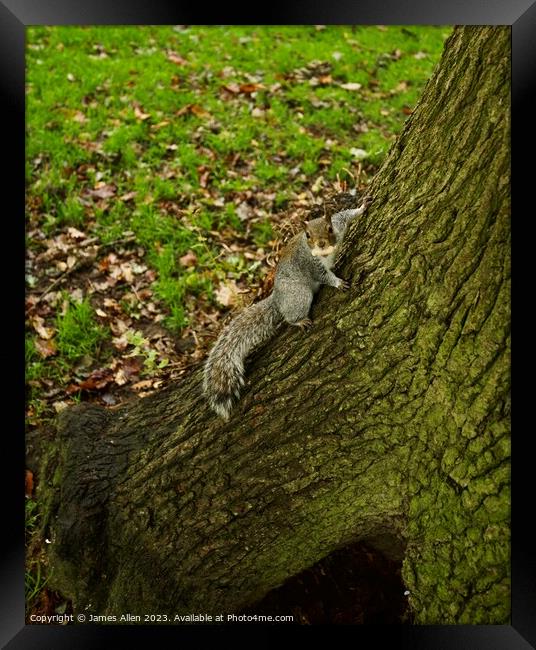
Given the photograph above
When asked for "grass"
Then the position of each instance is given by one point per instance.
(77, 332)
(35, 577)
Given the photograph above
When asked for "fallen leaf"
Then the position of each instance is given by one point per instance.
(198, 110)
(120, 342)
(250, 88)
(360, 154)
(351, 85)
(112, 304)
(130, 367)
(74, 233)
(142, 385)
(243, 211)
(80, 117)
(45, 348)
(128, 196)
(39, 327)
(140, 115)
(204, 175)
(317, 185)
(233, 88)
(102, 191)
(194, 109)
(175, 58)
(97, 380)
(401, 87)
(226, 295)
(28, 484)
(118, 327)
(188, 260)
(126, 272)
(60, 406)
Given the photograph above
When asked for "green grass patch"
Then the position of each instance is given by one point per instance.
(78, 333)
(115, 105)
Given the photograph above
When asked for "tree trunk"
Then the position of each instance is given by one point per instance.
(388, 422)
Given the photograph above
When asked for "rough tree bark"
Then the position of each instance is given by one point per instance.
(388, 422)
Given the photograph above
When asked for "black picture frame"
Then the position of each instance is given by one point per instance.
(15, 16)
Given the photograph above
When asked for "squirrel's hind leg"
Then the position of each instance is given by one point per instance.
(295, 311)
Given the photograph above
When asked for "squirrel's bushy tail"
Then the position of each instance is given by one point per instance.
(224, 368)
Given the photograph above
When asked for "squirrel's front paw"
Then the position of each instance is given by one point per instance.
(304, 324)
(367, 200)
(343, 285)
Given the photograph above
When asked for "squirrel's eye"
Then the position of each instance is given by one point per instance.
(308, 234)
(330, 229)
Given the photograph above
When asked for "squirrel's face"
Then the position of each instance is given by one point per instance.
(320, 237)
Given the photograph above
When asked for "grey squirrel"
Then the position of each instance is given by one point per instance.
(304, 265)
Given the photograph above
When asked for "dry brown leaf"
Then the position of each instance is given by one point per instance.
(120, 342)
(140, 115)
(250, 88)
(198, 110)
(160, 125)
(194, 109)
(142, 385)
(130, 367)
(401, 87)
(351, 85)
(102, 191)
(80, 117)
(74, 233)
(175, 58)
(128, 196)
(45, 348)
(226, 294)
(97, 380)
(28, 484)
(188, 260)
(39, 327)
(126, 271)
(118, 326)
(233, 88)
